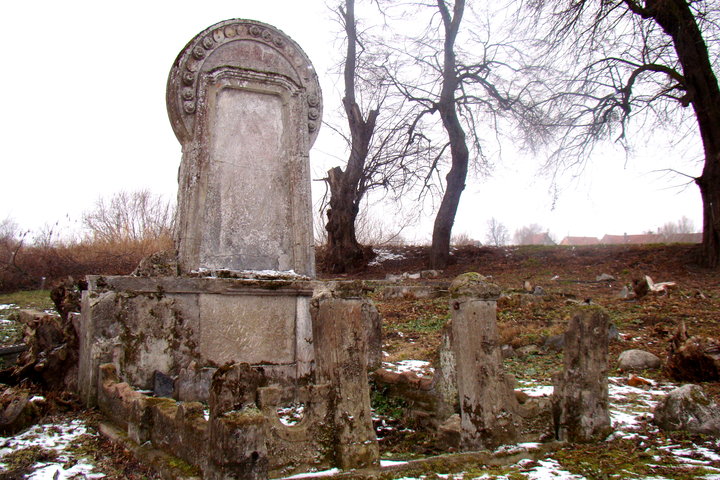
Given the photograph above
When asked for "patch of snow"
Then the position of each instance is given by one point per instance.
(55, 436)
(323, 473)
(54, 471)
(382, 255)
(538, 390)
(418, 367)
(292, 414)
(7, 306)
(390, 463)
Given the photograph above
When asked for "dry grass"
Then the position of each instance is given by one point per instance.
(29, 267)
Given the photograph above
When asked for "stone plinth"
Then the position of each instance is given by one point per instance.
(580, 399)
(341, 353)
(143, 325)
(488, 408)
(245, 103)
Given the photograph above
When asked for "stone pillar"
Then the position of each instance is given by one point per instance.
(580, 400)
(237, 448)
(488, 408)
(237, 439)
(445, 378)
(341, 345)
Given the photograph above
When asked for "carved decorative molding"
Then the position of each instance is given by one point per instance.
(213, 48)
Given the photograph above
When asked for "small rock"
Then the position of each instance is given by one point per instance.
(429, 273)
(17, 411)
(507, 351)
(613, 333)
(605, 277)
(624, 293)
(538, 290)
(449, 432)
(637, 360)
(555, 343)
(687, 408)
(528, 350)
(528, 286)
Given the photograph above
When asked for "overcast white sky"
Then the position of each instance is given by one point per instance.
(84, 116)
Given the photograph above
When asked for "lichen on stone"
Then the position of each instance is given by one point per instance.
(472, 284)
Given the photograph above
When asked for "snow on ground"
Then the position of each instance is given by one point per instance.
(7, 306)
(54, 436)
(420, 368)
(630, 414)
(382, 255)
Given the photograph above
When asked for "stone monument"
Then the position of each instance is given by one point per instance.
(245, 103)
(241, 325)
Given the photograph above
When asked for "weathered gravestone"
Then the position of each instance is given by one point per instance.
(580, 398)
(245, 103)
(488, 408)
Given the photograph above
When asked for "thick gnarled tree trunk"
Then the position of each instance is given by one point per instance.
(347, 186)
(702, 92)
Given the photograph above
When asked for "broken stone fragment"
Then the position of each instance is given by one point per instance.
(688, 408)
(17, 411)
(693, 359)
(605, 277)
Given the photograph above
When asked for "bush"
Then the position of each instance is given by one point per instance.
(121, 232)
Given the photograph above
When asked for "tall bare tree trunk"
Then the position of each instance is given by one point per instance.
(445, 218)
(346, 186)
(702, 92)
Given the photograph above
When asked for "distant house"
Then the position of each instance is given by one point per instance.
(631, 239)
(538, 239)
(578, 241)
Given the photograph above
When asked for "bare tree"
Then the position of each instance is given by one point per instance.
(470, 82)
(130, 216)
(684, 225)
(532, 234)
(642, 59)
(383, 148)
(497, 234)
(11, 241)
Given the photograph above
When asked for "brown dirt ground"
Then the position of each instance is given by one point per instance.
(567, 275)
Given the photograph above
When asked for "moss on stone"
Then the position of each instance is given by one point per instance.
(474, 285)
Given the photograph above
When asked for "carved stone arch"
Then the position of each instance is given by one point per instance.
(239, 44)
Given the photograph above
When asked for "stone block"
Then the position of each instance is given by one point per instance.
(488, 407)
(580, 398)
